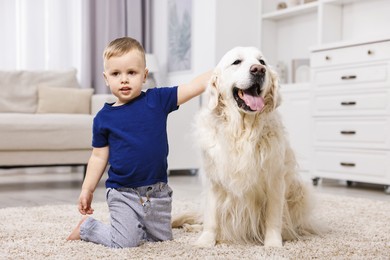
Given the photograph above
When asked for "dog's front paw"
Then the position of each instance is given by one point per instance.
(273, 239)
(273, 243)
(206, 239)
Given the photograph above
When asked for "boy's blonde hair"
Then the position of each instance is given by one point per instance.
(122, 46)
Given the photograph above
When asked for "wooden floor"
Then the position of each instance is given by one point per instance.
(62, 186)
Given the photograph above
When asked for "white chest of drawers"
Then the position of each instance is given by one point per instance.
(350, 105)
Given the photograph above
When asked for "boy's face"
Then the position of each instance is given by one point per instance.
(125, 75)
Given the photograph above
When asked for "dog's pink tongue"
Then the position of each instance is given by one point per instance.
(256, 103)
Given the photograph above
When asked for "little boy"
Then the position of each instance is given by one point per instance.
(131, 136)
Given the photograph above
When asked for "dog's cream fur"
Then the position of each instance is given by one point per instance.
(253, 192)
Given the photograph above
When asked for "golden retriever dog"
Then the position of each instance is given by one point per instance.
(252, 190)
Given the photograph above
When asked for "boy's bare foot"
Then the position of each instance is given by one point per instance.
(75, 235)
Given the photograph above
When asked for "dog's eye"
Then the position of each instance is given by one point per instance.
(236, 62)
(262, 62)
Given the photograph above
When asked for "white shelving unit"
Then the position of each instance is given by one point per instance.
(290, 33)
(294, 32)
(351, 113)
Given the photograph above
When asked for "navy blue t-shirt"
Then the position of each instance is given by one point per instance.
(137, 138)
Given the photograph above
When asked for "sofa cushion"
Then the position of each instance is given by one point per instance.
(64, 100)
(18, 89)
(45, 131)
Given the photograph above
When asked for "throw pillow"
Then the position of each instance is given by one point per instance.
(64, 100)
(18, 88)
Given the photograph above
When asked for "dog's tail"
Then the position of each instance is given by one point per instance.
(187, 220)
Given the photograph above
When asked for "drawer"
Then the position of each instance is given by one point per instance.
(376, 74)
(359, 163)
(340, 103)
(351, 55)
(353, 133)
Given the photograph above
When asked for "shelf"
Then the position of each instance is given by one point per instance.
(304, 9)
(343, 44)
(341, 2)
(291, 12)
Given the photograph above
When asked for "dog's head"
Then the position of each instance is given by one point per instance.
(243, 78)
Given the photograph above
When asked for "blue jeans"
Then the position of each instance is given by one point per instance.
(136, 215)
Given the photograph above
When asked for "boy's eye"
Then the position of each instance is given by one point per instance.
(115, 74)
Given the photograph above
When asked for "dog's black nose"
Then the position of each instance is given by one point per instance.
(257, 70)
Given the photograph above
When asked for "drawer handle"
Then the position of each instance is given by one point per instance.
(348, 77)
(347, 132)
(348, 103)
(327, 57)
(345, 164)
(370, 52)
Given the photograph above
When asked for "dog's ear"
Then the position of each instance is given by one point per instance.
(212, 90)
(275, 90)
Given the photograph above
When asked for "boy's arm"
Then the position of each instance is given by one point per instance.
(96, 166)
(187, 91)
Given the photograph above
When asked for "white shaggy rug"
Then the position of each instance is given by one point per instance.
(358, 229)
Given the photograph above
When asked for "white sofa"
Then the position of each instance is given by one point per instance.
(45, 119)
